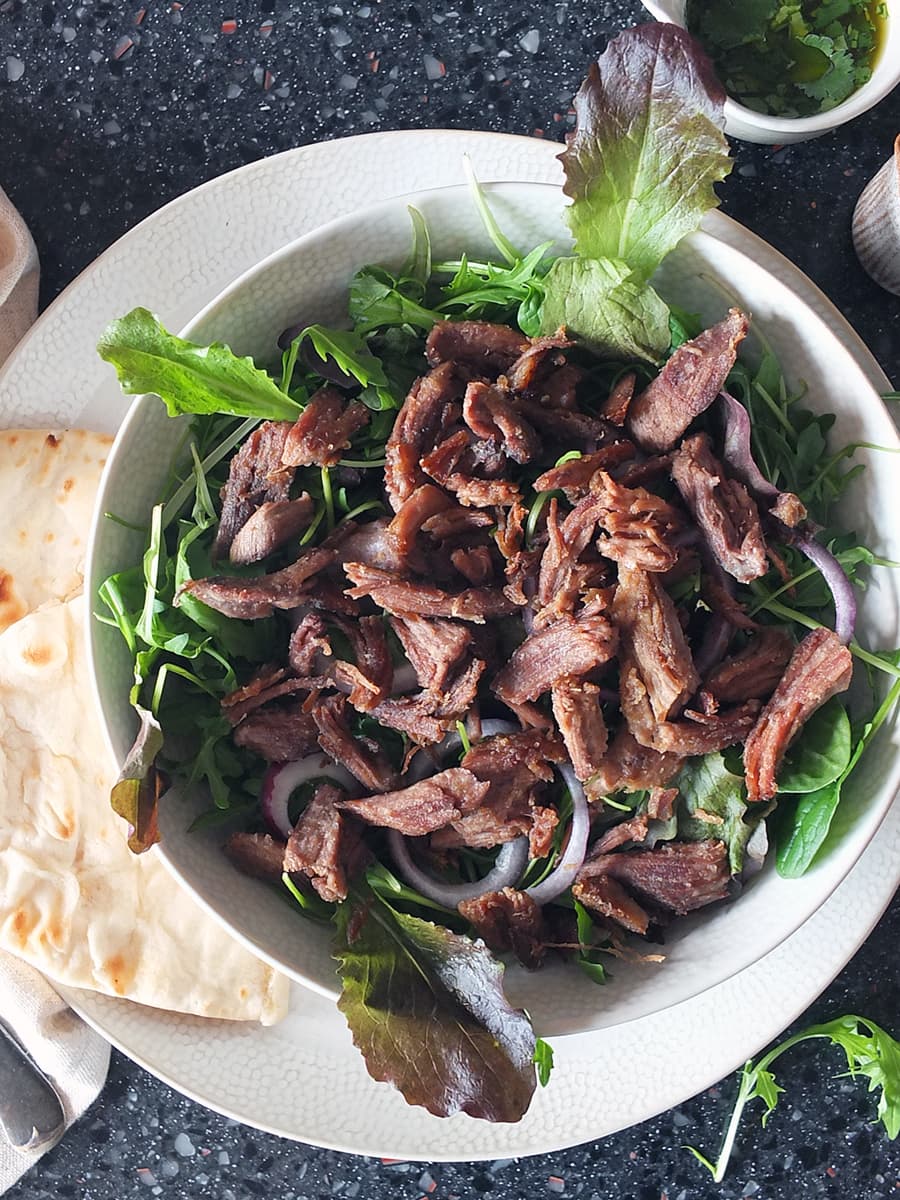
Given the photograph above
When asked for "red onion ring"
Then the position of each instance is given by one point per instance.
(282, 778)
(737, 450)
(509, 865)
(841, 587)
(563, 874)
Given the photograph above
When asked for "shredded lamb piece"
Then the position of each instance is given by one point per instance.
(323, 430)
(653, 643)
(401, 597)
(722, 508)
(508, 920)
(324, 845)
(422, 807)
(256, 476)
(253, 599)
(570, 646)
(362, 757)
(270, 527)
(686, 386)
(576, 707)
(819, 668)
(478, 344)
(752, 673)
(415, 430)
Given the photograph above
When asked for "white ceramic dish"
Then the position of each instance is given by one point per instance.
(702, 276)
(745, 123)
(303, 1079)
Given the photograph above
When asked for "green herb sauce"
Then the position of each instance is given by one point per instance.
(793, 59)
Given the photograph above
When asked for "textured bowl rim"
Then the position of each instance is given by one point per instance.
(887, 789)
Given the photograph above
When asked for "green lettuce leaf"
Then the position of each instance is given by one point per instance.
(647, 147)
(190, 378)
(603, 306)
(426, 1008)
(712, 805)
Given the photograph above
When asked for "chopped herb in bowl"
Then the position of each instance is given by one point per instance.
(795, 59)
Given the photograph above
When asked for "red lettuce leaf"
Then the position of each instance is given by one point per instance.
(647, 147)
(426, 1008)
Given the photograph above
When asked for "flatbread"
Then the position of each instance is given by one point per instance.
(74, 901)
(48, 483)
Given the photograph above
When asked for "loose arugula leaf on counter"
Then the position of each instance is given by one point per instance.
(871, 1052)
(407, 984)
(647, 147)
(190, 378)
(600, 303)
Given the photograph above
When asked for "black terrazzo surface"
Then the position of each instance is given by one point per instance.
(107, 111)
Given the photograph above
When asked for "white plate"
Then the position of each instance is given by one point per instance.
(303, 1079)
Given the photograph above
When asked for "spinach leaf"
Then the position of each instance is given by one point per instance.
(647, 147)
(821, 754)
(187, 377)
(603, 306)
(409, 984)
(803, 830)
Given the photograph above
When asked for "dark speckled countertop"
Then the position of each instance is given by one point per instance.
(107, 111)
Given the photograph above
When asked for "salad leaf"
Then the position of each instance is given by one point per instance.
(136, 793)
(543, 1060)
(426, 1008)
(713, 805)
(647, 147)
(871, 1052)
(601, 304)
(822, 752)
(189, 378)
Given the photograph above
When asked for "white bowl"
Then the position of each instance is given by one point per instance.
(307, 282)
(750, 126)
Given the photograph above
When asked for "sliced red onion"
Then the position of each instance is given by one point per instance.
(563, 874)
(841, 587)
(509, 865)
(281, 779)
(737, 450)
(428, 760)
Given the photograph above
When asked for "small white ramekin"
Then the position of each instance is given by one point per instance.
(751, 126)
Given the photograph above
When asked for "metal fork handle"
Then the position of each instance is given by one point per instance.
(31, 1114)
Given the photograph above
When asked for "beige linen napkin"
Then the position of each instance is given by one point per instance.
(18, 277)
(74, 1057)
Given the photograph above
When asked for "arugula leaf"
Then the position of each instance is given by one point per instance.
(647, 147)
(601, 304)
(409, 984)
(187, 377)
(377, 300)
(543, 1060)
(871, 1052)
